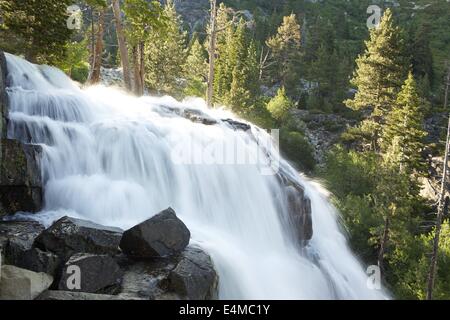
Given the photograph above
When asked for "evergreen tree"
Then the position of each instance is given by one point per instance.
(380, 70)
(40, 26)
(422, 57)
(285, 46)
(165, 54)
(195, 70)
(280, 105)
(405, 125)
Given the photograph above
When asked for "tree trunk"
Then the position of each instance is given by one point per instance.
(212, 52)
(142, 67)
(441, 204)
(383, 244)
(138, 69)
(122, 45)
(98, 50)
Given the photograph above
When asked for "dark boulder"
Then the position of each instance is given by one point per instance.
(17, 239)
(189, 275)
(194, 277)
(162, 235)
(147, 279)
(98, 274)
(68, 236)
(20, 177)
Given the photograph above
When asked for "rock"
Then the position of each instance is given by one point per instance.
(162, 235)
(98, 273)
(21, 284)
(68, 236)
(147, 279)
(300, 213)
(17, 239)
(236, 125)
(194, 277)
(20, 177)
(3, 98)
(189, 275)
(198, 117)
(21, 233)
(299, 207)
(70, 295)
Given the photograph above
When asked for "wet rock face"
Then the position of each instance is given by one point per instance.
(3, 97)
(188, 276)
(194, 277)
(162, 235)
(68, 236)
(299, 208)
(20, 177)
(300, 213)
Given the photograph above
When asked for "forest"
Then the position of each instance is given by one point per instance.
(362, 110)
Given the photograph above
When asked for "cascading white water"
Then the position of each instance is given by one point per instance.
(111, 158)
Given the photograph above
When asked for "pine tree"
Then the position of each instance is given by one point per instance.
(165, 54)
(195, 70)
(405, 125)
(280, 105)
(40, 25)
(422, 57)
(285, 46)
(380, 70)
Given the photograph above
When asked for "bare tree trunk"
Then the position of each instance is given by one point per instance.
(212, 53)
(441, 204)
(142, 66)
(138, 68)
(98, 50)
(122, 45)
(383, 244)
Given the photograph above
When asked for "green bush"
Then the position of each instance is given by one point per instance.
(297, 149)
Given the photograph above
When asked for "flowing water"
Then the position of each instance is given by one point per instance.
(117, 160)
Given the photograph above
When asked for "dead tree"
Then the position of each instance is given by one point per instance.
(441, 203)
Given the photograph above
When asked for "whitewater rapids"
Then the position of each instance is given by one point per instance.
(117, 160)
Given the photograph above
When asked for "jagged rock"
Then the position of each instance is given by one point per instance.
(162, 235)
(194, 277)
(300, 212)
(21, 284)
(198, 117)
(299, 207)
(236, 125)
(20, 177)
(147, 279)
(70, 295)
(189, 275)
(98, 273)
(17, 239)
(68, 236)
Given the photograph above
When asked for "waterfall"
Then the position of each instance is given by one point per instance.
(117, 160)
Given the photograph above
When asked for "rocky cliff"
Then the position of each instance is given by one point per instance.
(20, 175)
